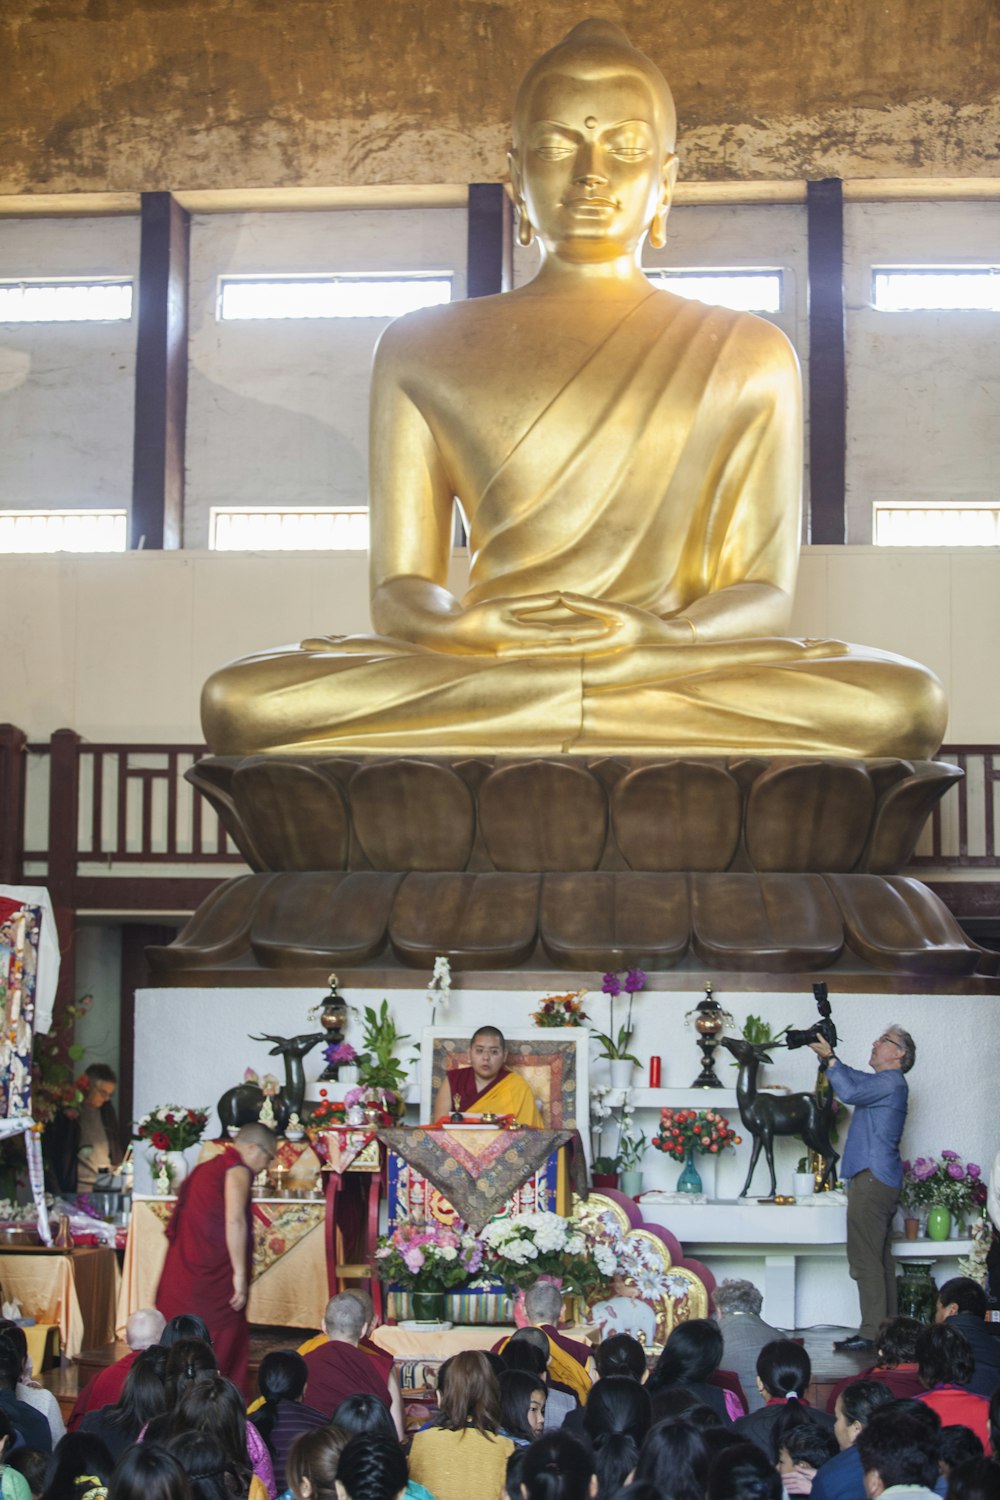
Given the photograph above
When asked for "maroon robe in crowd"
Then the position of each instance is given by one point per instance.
(338, 1370)
(197, 1275)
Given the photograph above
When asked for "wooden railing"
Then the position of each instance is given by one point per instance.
(97, 813)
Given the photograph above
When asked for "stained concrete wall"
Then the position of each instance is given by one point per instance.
(278, 410)
(192, 94)
(923, 387)
(67, 389)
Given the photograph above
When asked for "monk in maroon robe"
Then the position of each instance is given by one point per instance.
(337, 1367)
(487, 1086)
(207, 1269)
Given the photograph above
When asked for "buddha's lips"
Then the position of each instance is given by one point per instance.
(590, 203)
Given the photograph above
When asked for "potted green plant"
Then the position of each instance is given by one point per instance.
(379, 1067)
(631, 1149)
(804, 1179)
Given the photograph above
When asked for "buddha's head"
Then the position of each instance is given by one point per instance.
(592, 164)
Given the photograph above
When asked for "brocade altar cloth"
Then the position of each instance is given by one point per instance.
(479, 1170)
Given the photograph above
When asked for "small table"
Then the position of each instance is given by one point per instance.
(74, 1289)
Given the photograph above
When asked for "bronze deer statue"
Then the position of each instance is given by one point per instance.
(242, 1105)
(767, 1115)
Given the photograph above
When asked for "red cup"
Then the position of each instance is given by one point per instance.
(654, 1072)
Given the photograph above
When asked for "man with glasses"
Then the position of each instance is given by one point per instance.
(873, 1168)
(82, 1144)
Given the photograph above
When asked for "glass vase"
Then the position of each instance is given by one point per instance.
(916, 1292)
(689, 1181)
(427, 1307)
(938, 1222)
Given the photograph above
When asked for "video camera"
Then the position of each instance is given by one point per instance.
(824, 1027)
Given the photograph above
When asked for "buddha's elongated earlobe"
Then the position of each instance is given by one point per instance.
(525, 231)
(658, 229)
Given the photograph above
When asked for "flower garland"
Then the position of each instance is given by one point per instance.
(701, 1130)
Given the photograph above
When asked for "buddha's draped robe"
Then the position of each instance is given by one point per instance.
(665, 470)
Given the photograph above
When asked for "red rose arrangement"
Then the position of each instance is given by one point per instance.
(701, 1130)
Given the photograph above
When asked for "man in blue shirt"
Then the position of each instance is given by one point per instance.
(873, 1168)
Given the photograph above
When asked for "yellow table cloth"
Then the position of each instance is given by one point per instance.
(75, 1289)
(289, 1286)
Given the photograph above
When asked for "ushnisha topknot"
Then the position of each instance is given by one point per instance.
(600, 47)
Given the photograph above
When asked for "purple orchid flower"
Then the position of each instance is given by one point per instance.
(611, 985)
(635, 980)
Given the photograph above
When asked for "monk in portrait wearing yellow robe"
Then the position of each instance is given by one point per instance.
(628, 467)
(486, 1086)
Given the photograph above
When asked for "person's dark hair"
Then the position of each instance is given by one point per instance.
(143, 1397)
(100, 1073)
(900, 1448)
(495, 1362)
(516, 1390)
(489, 1031)
(674, 1458)
(976, 1479)
(372, 1468)
(744, 1473)
(556, 1467)
(718, 1439)
(639, 1489)
(616, 1419)
(520, 1355)
(968, 1295)
(7, 1428)
(910, 1406)
(187, 1361)
(784, 1368)
(13, 1334)
(621, 1354)
(470, 1395)
(692, 1352)
(10, 1366)
(896, 1341)
(282, 1377)
(210, 1475)
(802, 1437)
(862, 1398)
(184, 1326)
(703, 1417)
(512, 1477)
(213, 1405)
(364, 1413)
(944, 1356)
(315, 1456)
(32, 1463)
(958, 1445)
(672, 1401)
(148, 1472)
(75, 1454)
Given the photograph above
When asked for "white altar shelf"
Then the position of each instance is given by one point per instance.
(780, 1234)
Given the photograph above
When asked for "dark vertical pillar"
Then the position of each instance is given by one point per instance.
(64, 782)
(827, 363)
(489, 258)
(136, 938)
(12, 785)
(157, 512)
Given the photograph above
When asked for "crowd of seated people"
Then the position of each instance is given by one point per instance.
(540, 1417)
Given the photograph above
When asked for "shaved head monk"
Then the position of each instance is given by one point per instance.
(207, 1269)
(486, 1086)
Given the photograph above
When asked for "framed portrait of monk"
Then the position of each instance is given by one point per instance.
(552, 1061)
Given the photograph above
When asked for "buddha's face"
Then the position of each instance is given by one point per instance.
(591, 162)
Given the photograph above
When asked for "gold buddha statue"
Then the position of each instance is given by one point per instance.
(628, 466)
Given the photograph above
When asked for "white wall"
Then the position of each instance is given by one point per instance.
(118, 647)
(923, 388)
(278, 410)
(66, 389)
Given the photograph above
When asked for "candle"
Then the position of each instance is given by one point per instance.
(654, 1072)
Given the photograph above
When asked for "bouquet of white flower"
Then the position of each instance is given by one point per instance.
(518, 1251)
